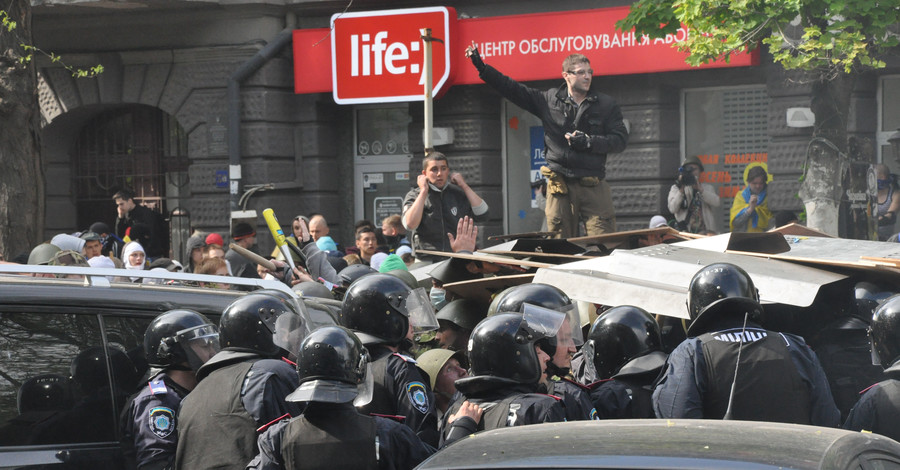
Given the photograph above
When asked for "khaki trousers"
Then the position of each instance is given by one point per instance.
(591, 204)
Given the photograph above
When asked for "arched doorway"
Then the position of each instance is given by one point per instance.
(137, 147)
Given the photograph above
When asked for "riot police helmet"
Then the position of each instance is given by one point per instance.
(47, 392)
(884, 334)
(351, 273)
(721, 289)
(262, 323)
(380, 308)
(867, 297)
(464, 313)
(180, 339)
(503, 345)
(313, 289)
(519, 298)
(331, 364)
(624, 340)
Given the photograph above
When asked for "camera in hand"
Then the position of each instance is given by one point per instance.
(686, 177)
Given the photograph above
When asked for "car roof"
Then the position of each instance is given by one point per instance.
(661, 443)
(94, 292)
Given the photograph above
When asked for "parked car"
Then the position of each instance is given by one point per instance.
(668, 444)
(71, 354)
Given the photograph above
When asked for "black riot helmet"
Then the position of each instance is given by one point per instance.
(48, 392)
(331, 363)
(867, 296)
(262, 323)
(503, 345)
(351, 273)
(379, 308)
(624, 340)
(517, 298)
(180, 339)
(884, 333)
(721, 289)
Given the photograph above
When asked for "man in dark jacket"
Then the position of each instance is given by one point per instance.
(433, 208)
(244, 386)
(732, 368)
(878, 409)
(131, 214)
(581, 126)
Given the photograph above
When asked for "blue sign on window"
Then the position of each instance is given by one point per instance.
(221, 178)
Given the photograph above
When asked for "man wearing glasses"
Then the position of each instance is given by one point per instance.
(581, 126)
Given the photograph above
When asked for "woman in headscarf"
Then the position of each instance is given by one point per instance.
(134, 257)
(750, 210)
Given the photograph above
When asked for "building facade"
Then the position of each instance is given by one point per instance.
(157, 120)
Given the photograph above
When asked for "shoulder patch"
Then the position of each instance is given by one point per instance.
(162, 421)
(157, 387)
(418, 396)
(405, 358)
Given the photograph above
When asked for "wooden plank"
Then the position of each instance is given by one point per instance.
(487, 258)
(516, 236)
(536, 254)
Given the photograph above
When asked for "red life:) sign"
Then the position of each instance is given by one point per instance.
(378, 56)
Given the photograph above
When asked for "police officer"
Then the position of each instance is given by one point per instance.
(778, 377)
(331, 433)
(457, 319)
(624, 351)
(560, 348)
(507, 367)
(384, 312)
(878, 410)
(242, 387)
(176, 344)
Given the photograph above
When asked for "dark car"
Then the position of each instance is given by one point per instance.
(669, 444)
(71, 355)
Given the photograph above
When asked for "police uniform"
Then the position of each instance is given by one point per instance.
(149, 431)
(779, 379)
(878, 410)
(621, 399)
(575, 398)
(337, 436)
(402, 389)
(505, 405)
(238, 392)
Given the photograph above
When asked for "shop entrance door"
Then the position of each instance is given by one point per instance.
(381, 162)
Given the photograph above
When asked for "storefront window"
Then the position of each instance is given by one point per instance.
(726, 128)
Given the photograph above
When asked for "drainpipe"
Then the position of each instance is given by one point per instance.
(234, 104)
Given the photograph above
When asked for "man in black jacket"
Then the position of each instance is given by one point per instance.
(434, 208)
(581, 126)
(130, 214)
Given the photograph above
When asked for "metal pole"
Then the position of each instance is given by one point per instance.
(429, 111)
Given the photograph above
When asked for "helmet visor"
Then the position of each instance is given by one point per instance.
(544, 322)
(587, 355)
(290, 330)
(366, 386)
(421, 311)
(570, 331)
(876, 361)
(200, 343)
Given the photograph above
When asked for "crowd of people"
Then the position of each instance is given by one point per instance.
(405, 371)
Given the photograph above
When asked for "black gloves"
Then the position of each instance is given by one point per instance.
(580, 141)
(475, 57)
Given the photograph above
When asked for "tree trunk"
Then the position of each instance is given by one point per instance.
(827, 159)
(21, 175)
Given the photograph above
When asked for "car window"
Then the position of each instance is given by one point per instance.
(54, 380)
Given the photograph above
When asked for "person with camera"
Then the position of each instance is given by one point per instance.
(692, 202)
